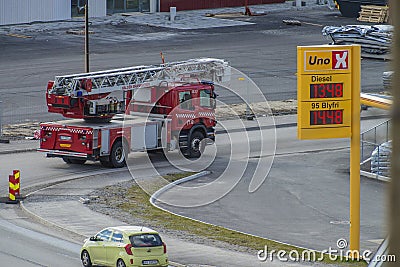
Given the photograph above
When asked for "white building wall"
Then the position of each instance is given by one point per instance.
(154, 6)
(97, 8)
(25, 11)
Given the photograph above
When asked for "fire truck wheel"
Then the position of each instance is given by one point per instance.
(118, 155)
(196, 147)
(74, 161)
(105, 162)
(67, 160)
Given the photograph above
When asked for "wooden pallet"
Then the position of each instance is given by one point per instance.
(375, 14)
(374, 19)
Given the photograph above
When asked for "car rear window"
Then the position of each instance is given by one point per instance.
(145, 240)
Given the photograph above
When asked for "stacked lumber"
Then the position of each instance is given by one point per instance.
(375, 14)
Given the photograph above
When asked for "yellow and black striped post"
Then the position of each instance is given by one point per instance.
(14, 185)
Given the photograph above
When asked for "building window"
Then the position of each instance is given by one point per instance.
(77, 8)
(114, 6)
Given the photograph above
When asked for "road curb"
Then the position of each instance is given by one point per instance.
(154, 196)
(45, 222)
(45, 186)
(61, 228)
(196, 176)
(17, 151)
(48, 223)
(375, 177)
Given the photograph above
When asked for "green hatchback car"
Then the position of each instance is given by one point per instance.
(125, 246)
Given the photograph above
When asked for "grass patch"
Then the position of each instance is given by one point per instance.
(137, 203)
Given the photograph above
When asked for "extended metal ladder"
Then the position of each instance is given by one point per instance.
(108, 81)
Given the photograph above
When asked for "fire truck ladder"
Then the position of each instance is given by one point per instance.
(102, 82)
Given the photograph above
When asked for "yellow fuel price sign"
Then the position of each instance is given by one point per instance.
(328, 96)
(325, 83)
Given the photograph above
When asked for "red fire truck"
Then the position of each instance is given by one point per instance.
(167, 106)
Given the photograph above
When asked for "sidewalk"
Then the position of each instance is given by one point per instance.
(19, 146)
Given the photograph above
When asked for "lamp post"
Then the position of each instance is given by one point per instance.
(86, 37)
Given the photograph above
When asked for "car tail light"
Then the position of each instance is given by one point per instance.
(44, 135)
(128, 249)
(82, 136)
(165, 247)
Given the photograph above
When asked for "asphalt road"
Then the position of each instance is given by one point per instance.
(26, 244)
(304, 200)
(38, 171)
(265, 51)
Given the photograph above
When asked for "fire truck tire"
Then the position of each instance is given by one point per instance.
(105, 162)
(195, 146)
(67, 160)
(74, 161)
(118, 155)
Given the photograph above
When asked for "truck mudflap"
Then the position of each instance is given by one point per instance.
(61, 153)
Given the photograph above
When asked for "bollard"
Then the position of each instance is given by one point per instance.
(172, 13)
(14, 186)
(16, 174)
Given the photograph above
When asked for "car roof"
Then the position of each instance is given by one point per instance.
(133, 229)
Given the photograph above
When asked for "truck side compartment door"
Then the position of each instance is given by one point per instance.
(105, 142)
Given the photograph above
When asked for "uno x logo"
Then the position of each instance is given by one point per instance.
(340, 60)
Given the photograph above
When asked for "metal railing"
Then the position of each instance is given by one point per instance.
(380, 254)
(375, 151)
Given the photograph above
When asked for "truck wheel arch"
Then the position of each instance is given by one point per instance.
(112, 160)
(198, 129)
(124, 141)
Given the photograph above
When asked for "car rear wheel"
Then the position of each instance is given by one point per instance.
(86, 259)
(121, 263)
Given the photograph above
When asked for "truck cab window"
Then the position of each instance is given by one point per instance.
(205, 98)
(185, 100)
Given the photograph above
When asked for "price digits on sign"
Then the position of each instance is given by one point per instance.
(324, 117)
(326, 90)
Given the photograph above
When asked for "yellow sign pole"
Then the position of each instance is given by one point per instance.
(355, 154)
